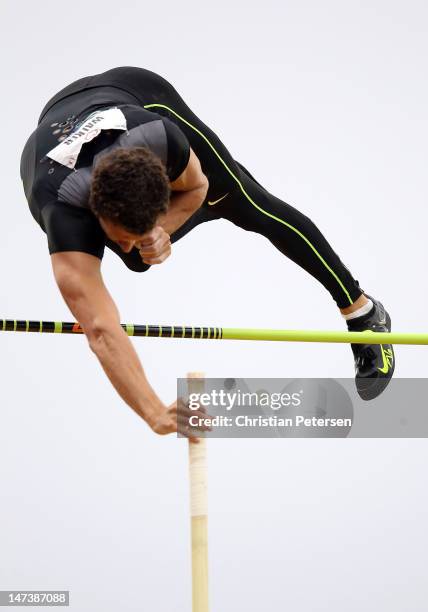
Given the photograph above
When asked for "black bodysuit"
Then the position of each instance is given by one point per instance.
(127, 107)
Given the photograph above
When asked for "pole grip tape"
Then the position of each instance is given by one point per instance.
(197, 458)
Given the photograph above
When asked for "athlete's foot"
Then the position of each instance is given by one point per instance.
(374, 363)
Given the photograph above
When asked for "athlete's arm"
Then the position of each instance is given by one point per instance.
(189, 191)
(79, 279)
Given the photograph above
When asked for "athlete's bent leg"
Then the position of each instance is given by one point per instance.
(253, 208)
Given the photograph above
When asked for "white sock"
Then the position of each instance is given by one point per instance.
(360, 312)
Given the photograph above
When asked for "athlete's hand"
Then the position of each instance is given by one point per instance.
(155, 246)
(176, 418)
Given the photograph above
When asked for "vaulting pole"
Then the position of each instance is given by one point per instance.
(198, 509)
(225, 333)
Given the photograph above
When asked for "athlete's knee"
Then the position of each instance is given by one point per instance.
(298, 219)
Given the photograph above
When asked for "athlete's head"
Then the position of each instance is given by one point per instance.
(129, 190)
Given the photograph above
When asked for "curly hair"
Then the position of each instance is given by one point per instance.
(131, 188)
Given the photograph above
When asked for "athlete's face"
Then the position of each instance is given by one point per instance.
(121, 236)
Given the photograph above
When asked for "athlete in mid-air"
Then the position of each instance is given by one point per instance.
(119, 160)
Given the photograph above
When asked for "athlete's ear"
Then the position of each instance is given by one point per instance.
(192, 177)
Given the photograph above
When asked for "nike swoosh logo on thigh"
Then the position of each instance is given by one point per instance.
(217, 201)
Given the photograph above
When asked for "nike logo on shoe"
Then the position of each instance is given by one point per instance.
(387, 358)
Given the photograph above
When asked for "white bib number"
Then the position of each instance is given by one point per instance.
(67, 152)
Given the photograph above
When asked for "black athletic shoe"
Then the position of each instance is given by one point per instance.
(374, 363)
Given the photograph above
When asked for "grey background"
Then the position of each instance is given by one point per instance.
(326, 103)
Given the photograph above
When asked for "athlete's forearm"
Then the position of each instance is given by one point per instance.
(124, 370)
(182, 205)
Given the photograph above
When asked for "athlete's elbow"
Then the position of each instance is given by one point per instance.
(100, 334)
(199, 195)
